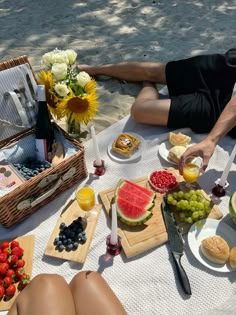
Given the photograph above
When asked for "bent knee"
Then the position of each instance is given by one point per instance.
(135, 112)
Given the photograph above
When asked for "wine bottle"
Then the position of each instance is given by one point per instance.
(44, 134)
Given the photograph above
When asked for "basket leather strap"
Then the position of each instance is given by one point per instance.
(20, 110)
(33, 202)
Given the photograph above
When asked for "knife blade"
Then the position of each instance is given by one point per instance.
(176, 244)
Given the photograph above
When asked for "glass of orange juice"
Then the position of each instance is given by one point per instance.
(191, 170)
(86, 200)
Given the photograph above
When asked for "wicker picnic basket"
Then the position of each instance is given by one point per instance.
(36, 192)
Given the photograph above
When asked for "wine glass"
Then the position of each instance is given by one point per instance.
(86, 200)
(191, 170)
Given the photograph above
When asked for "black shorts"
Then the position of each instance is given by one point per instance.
(199, 88)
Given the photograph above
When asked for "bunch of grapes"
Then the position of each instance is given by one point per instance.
(191, 205)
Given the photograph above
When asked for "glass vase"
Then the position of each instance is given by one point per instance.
(75, 131)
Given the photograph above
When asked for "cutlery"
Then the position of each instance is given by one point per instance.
(176, 243)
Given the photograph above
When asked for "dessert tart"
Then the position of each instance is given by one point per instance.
(126, 144)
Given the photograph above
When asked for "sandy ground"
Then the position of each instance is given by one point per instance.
(103, 31)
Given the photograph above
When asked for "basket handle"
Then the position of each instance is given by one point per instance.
(32, 203)
(20, 110)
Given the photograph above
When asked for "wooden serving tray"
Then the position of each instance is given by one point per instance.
(138, 239)
(79, 255)
(27, 243)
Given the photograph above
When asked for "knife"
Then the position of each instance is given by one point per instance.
(176, 244)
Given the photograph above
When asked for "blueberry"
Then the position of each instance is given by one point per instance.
(75, 245)
(62, 225)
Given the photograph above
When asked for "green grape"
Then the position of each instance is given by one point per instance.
(193, 197)
(174, 202)
(195, 215)
(175, 195)
(180, 194)
(186, 195)
(189, 220)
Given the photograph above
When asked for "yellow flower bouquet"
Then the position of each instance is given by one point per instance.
(70, 93)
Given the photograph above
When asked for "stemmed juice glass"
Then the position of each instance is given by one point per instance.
(86, 200)
(191, 170)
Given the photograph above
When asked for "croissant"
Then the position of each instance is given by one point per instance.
(179, 139)
(126, 144)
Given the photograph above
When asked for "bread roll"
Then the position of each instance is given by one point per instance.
(215, 249)
(179, 139)
(125, 144)
(232, 257)
(176, 152)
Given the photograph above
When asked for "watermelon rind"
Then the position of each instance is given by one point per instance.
(139, 220)
(232, 206)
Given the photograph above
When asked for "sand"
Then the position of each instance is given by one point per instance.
(103, 31)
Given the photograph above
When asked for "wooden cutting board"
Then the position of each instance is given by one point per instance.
(80, 254)
(27, 243)
(138, 239)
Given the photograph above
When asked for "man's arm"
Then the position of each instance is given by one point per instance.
(206, 147)
(129, 71)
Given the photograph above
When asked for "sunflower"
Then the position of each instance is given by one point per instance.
(46, 79)
(81, 108)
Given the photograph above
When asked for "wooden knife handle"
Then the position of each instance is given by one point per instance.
(182, 274)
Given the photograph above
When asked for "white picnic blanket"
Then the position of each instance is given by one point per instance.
(146, 284)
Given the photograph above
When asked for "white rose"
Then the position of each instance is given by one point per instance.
(83, 78)
(71, 55)
(47, 59)
(60, 56)
(61, 89)
(59, 70)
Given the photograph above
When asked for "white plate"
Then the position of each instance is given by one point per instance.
(210, 227)
(164, 151)
(118, 158)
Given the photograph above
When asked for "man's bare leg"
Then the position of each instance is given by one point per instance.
(46, 294)
(130, 71)
(148, 108)
(92, 295)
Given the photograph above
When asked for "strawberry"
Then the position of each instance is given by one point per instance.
(12, 259)
(3, 257)
(20, 263)
(3, 268)
(11, 273)
(20, 272)
(2, 291)
(5, 245)
(10, 291)
(7, 281)
(7, 250)
(18, 251)
(14, 244)
(25, 279)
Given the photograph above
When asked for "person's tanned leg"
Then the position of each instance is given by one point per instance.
(46, 294)
(92, 295)
(148, 108)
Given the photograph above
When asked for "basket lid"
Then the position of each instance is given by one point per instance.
(18, 106)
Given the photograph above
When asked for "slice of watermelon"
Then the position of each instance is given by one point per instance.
(135, 188)
(232, 206)
(131, 214)
(139, 200)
